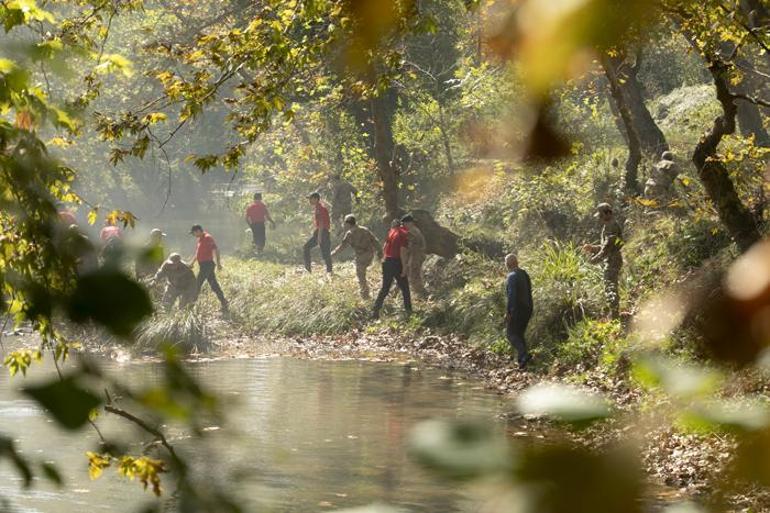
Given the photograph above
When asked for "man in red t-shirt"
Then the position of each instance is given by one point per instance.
(321, 226)
(256, 215)
(206, 251)
(394, 252)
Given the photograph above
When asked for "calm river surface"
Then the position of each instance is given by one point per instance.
(303, 435)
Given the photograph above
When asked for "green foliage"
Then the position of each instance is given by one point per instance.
(591, 344)
(66, 400)
(21, 359)
(111, 299)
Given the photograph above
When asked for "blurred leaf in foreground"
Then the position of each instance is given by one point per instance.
(562, 403)
(460, 450)
(111, 299)
(65, 400)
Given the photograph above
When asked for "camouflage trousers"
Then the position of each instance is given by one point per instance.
(414, 275)
(363, 261)
(185, 295)
(612, 290)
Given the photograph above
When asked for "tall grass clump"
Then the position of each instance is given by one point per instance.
(183, 330)
(469, 298)
(566, 288)
(276, 299)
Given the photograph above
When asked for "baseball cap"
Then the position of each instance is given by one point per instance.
(196, 227)
(314, 194)
(407, 219)
(157, 231)
(602, 208)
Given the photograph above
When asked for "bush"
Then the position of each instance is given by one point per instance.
(184, 330)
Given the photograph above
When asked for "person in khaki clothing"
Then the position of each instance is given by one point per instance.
(180, 282)
(608, 253)
(365, 245)
(416, 256)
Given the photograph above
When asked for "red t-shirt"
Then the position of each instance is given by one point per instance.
(321, 218)
(204, 250)
(109, 232)
(256, 213)
(394, 242)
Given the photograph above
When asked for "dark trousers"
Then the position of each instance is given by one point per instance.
(391, 270)
(323, 240)
(258, 232)
(208, 273)
(515, 329)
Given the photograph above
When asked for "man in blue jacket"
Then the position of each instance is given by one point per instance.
(518, 309)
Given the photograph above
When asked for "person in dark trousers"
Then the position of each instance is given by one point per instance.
(206, 251)
(519, 308)
(394, 257)
(321, 238)
(256, 215)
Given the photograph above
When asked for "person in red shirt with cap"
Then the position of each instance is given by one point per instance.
(256, 215)
(321, 225)
(206, 251)
(394, 253)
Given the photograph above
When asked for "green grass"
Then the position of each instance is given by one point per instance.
(184, 330)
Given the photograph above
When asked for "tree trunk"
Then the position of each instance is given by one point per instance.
(383, 109)
(613, 69)
(651, 137)
(450, 161)
(737, 219)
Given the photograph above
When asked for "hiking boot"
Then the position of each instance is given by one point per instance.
(523, 363)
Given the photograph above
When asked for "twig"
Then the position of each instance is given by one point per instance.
(142, 424)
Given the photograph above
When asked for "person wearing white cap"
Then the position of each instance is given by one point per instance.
(151, 256)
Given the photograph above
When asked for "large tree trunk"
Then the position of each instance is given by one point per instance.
(737, 219)
(651, 137)
(613, 69)
(383, 110)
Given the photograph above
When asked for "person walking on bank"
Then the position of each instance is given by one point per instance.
(256, 215)
(518, 309)
(321, 237)
(608, 251)
(395, 254)
(206, 251)
(416, 256)
(365, 245)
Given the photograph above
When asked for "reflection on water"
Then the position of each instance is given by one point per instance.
(308, 436)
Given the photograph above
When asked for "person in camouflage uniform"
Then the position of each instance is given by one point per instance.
(416, 256)
(609, 252)
(152, 256)
(661, 182)
(365, 245)
(342, 194)
(180, 282)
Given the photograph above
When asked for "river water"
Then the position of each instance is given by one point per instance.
(303, 435)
